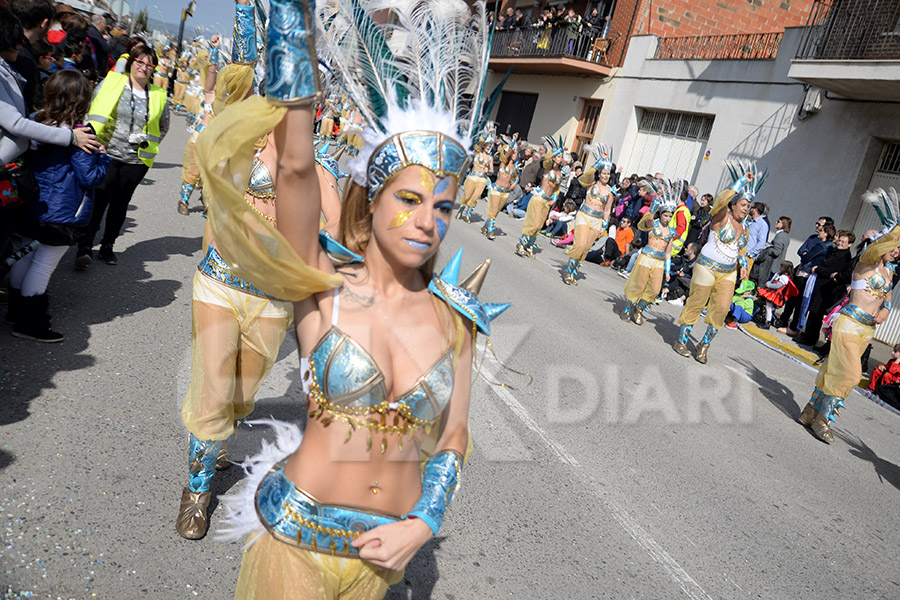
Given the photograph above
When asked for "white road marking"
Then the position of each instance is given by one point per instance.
(687, 583)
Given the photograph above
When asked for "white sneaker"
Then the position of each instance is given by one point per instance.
(624, 274)
(677, 302)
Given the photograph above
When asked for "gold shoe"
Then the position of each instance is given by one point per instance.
(681, 348)
(821, 428)
(222, 461)
(484, 230)
(490, 235)
(625, 315)
(192, 521)
(467, 218)
(520, 249)
(569, 279)
(637, 316)
(808, 414)
(700, 357)
(183, 208)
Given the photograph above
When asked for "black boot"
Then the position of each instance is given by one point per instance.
(33, 322)
(14, 305)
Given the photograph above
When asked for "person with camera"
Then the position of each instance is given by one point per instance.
(130, 117)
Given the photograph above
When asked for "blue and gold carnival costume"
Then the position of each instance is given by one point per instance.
(854, 328)
(300, 545)
(716, 270)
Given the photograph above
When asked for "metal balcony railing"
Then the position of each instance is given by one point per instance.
(745, 46)
(852, 30)
(554, 42)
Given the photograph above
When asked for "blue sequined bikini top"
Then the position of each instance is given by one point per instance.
(658, 232)
(260, 185)
(726, 234)
(480, 160)
(875, 284)
(347, 385)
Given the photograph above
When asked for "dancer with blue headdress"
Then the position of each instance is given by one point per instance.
(556, 167)
(868, 305)
(722, 260)
(593, 215)
(387, 346)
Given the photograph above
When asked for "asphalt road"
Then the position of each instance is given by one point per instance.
(621, 471)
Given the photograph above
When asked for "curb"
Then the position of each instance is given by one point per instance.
(805, 358)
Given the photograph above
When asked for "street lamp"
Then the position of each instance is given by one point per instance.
(187, 12)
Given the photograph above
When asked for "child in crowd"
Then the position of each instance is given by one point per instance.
(886, 379)
(889, 372)
(778, 289)
(742, 304)
(66, 177)
(558, 221)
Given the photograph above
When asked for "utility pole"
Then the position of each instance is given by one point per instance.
(187, 12)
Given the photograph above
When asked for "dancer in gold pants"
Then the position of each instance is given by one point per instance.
(498, 192)
(645, 280)
(592, 219)
(556, 166)
(477, 180)
(852, 330)
(716, 269)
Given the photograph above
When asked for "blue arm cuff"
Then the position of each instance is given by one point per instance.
(668, 266)
(438, 484)
(292, 70)
(739, 185)
(214, 55)
(244, 48)
(742, 261)
(887, 305)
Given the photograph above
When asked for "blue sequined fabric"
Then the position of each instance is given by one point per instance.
(438, 484)
(350, 380)
(295, 517)
(243, 50)
(291, 63)
(825, 404)
(215, 267)
(430, 149)
(202, 463)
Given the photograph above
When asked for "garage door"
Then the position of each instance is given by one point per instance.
(670, 143)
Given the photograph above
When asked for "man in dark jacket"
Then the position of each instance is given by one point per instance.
(100, 47)
(34, 15)
(832, 278)
(533, 171)
(576, 191)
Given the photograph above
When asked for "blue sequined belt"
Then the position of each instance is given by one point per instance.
(653, 253)
(215, 267)
(715, 266)
(854, 312)
(540, 193)
(294, 517)
(502, 190)
(591, 212)
(478, 176)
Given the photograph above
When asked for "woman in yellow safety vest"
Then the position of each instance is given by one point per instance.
(130, 117)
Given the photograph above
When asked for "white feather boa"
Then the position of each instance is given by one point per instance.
(241, 520)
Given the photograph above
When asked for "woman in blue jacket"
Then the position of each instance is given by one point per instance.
(66, 177)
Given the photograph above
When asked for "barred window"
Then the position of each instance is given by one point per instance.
(684, 125)
(890, 159)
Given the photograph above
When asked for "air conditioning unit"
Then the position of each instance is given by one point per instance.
(812, 103)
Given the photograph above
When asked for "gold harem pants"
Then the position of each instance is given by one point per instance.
(190, 171)
(711, 286)
(274, 570)
(535, 216)
(496, 200)
(472, 189)
(235, 338)
(645, 280)
(843, 368)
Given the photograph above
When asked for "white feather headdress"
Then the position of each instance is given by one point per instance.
(597, 151)
(415, 71)
(886, 205)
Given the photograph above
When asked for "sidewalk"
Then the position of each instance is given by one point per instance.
(785, 346)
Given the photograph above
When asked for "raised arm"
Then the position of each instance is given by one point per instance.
(212, 71)
(297, 184)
